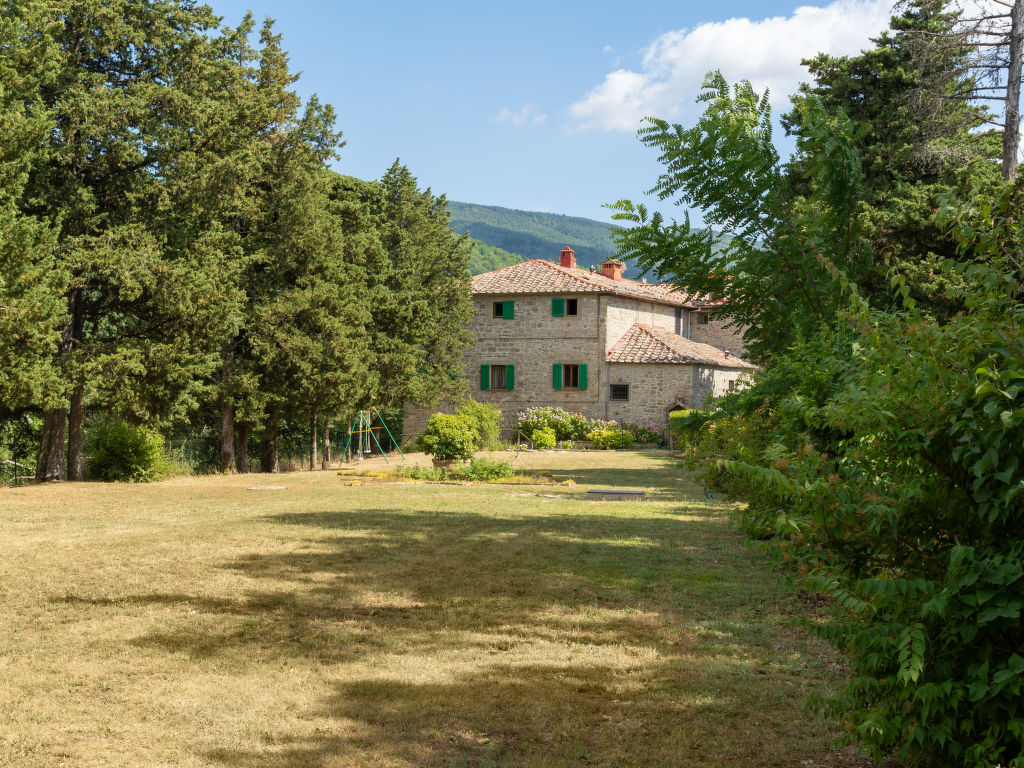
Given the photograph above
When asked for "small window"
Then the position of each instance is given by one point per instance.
(620, 392)
(732, 384)
(571, 307)
(498, 377)
(504, 309)
(702, 319)
(569, 376)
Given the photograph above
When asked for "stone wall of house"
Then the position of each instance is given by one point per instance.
(717, 335)
(653, 389)
(619, 313)
(533, 340)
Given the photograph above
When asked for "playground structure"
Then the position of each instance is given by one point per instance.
(362, 427)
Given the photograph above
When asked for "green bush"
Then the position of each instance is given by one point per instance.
(544, 438)
(478, 470)
(567, 426)
(482, 470)
(448, 438)
(608, 438)
(119, 452)
(486, 420)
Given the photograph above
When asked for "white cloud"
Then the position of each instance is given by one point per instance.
(766, 52)
(527, 115)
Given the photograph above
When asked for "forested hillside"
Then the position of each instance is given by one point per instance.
(487, 258)
(534, 235)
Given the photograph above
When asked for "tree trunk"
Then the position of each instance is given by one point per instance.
(75, 434)
(49, 465)
(325, 461)
(227, 437)
(1011, 123)
(51, 446)
(242, 452)
(268, 447)
(312, 443)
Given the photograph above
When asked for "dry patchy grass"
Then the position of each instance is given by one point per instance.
(197, 623)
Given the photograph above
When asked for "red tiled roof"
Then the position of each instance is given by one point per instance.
(650, 344)
(539, 276)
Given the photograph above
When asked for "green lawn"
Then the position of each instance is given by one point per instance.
(197, 623)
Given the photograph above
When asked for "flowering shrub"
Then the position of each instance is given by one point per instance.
(642, 433)
(567, 426)
(607, 438)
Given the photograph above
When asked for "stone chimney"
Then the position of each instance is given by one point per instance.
(612, 268)
(567, 258)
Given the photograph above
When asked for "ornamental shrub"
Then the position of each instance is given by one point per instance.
(607, 438)
(486, 420)
(543, 438)
(643, 433)
(448, 437)
(567, 426)
(122, 453)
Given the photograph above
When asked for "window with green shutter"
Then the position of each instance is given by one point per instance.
(504, 309)
(497, 377)
(569, 376)
(557, 307)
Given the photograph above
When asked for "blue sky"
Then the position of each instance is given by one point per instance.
(535, 105)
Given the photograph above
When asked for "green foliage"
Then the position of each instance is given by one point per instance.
(892, 483)
(482, 470)
(448, 438)
(123, 453)
(642, 433)
(566, 425)
(544, 438)
(487, 258)
(727, 166)
(486, 420)
(478, 471)
(609, 438)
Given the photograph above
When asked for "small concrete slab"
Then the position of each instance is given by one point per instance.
(267, 488)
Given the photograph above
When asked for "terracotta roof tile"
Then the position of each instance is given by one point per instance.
(539, 276)
(650, 344)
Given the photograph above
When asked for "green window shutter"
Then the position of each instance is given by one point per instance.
(510, 377)
(508, 309)
(485, 377)
(583, 376)
(557, 307)
(556, 375)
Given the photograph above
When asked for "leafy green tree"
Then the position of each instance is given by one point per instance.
(919, 138)
(727, 166)
(32, 307)
(419, 314)
(137, 323)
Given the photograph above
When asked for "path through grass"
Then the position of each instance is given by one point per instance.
(197, 623)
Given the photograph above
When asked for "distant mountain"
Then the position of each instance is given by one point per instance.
(505, 236)
(533, 235)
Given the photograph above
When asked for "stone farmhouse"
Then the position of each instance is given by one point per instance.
(592, 342)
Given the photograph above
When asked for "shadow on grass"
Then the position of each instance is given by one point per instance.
(465, 639)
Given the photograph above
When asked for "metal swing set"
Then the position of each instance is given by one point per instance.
(362, 425)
